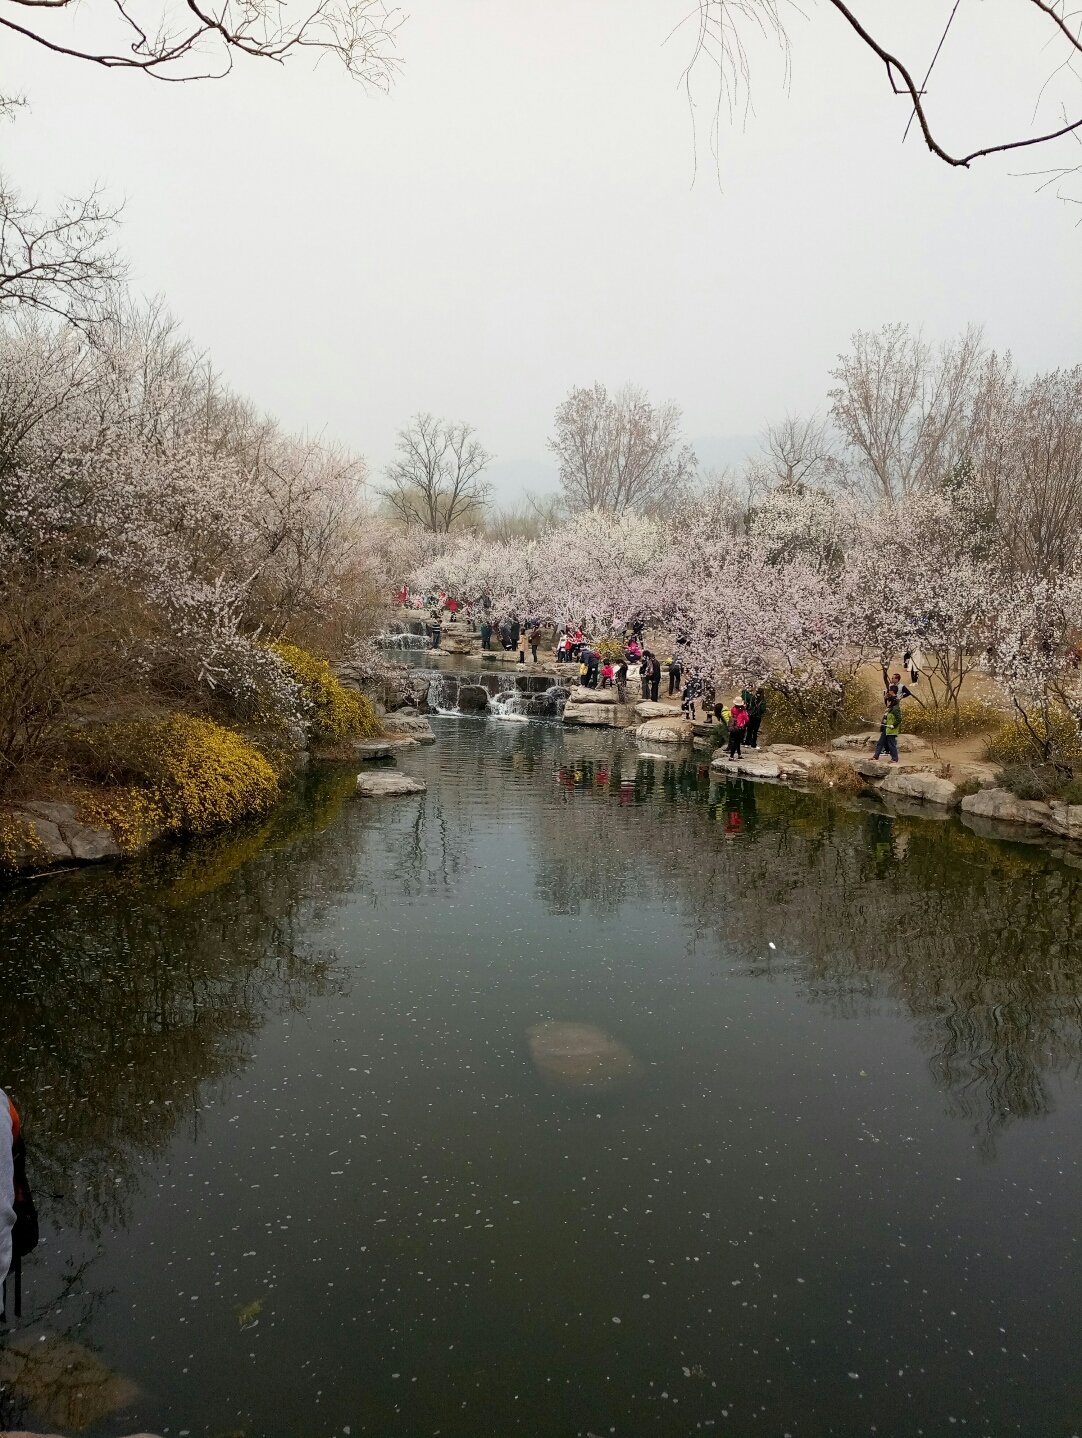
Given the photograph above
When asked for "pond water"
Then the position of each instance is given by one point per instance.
(313, 1158)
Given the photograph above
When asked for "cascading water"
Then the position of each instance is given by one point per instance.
(499, 695)
(404, 634)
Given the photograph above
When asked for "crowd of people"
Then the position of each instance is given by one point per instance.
(614, 663)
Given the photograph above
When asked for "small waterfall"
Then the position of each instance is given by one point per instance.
(404, 634)
(506, 695)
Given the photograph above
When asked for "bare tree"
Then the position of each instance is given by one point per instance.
(196, 42)
(1026, 459)
(61, 264)
(622, 452)
(720, 26)
(436, 482)
(904, 409)
(799, 451)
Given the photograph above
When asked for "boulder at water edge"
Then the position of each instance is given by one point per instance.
(1007, 807)
(753, 766)
(373, 749)
(928, 788)
(580, 1056)
(411, 727)
(674, 730)
(472, 698)
(609, 716)
(581, 694)
(387, 786)
(654, 709)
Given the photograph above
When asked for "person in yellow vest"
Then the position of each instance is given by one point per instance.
(890, 726)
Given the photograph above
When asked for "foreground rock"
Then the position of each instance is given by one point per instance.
(388, 786)
(580, 1056)
(43, 834)
(673, 730)
(655, 709)
(472, 698)
(1001, 804)
(927, 788)
(609, 716)
(411, 726)
(772, 761)
(582, 694)
(877, 769)
(373, 749)
(1065, 820)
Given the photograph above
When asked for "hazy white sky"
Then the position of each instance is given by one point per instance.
(519, 215)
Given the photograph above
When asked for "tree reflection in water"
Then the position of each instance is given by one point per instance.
(979, 938)
(119, 1009)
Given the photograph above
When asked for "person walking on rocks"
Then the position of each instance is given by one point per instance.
(738, 722)
(486, 633)
(675, 674)
(890, 726)
(644, 672)
(655, 676)
(621, 682)
(535, 640)
(756, 711)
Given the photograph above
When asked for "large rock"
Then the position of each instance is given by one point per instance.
(452, 643)
(876, 769)
(928, 788)
(986, 775)
(88, 844)
(655, 709)
(1065, 820)
(793, 758)
(907, 743)
(388, 785)
(752, 766)
(580, 1056)
(472, 698)
(580, 694)
(608, 716)
(674, 730)
(30, 842)
(410, 726)
(1006, 807)
(52, 811)
(374, 749)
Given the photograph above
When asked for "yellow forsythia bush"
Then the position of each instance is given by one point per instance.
(974, 716)
(177, 775)
(819, 715)
(337, 713)
(1014, 744)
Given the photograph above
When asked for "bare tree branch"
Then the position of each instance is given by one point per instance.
(359, 33)
(718, 39)
(62, 264)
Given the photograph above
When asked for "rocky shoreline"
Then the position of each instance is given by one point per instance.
(47, 836)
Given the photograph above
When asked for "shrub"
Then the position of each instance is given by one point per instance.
(817, 715)
(1041, 781)
(336, 713)
(1013, 743)
(836, 774)
(974, 716)
(177, 775)
(612, 649)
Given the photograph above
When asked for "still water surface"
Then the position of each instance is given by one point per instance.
(301, 1173)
